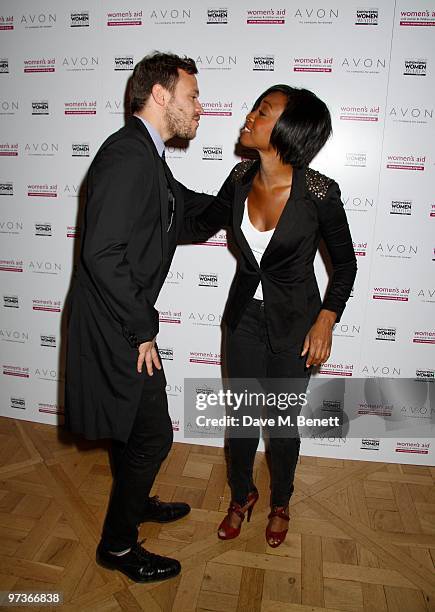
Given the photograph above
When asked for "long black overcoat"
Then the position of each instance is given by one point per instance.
(124, 261)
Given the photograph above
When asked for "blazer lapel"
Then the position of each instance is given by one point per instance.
(288, 216)
(241, 193)
(285, 223)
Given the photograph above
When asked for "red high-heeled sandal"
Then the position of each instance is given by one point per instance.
(232, 532)
(275, 538)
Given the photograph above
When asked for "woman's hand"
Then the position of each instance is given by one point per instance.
(318, 341)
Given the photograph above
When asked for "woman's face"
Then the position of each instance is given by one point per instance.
(261, 121)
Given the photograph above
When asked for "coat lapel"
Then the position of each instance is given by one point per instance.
(165, 178)
(179, 202)
(163, 190)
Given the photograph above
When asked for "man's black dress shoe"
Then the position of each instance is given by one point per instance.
(164, 512)
(139, 564)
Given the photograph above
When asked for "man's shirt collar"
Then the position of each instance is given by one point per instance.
(155, 136)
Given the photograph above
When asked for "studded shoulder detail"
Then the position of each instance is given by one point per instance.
(317, 183)
(240, 170)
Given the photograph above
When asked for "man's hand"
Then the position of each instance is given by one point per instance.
(318, 341)
(148, 354)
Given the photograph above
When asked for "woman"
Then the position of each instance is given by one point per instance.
(277, 325)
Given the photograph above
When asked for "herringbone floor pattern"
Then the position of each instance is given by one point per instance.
(362, 534)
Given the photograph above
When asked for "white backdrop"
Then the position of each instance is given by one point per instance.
(63, 74)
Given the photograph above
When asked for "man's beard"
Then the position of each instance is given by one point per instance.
(178, 124)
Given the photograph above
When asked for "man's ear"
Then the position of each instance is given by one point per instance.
(160, 94)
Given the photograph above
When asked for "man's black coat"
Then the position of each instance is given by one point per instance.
(125, 258)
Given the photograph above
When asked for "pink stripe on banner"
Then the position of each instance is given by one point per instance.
(296, 69)
(269, 21)
(3, 269)
(81, 112)
(388, 297)
(335, 373)
(39, 69)
(401, 167)
(347, 118)
(124, 23)
(219, 244)
(15, 374)
(410, 450)
(209, 362)
(217, 114)
(50, 411)
(413, 23)
(42, 194)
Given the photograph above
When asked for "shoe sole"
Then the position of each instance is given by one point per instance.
(134, 579)
(225, 538)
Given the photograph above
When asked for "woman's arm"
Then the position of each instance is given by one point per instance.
(200, 224)
(335, 232)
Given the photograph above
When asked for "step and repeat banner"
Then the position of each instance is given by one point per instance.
(63, 75)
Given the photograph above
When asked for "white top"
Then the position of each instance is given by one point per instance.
(258, 242)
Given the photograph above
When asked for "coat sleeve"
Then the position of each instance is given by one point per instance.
(118, 186)
(207, 215)
(334, 230)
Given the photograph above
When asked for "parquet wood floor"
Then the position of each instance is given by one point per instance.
(361, 539)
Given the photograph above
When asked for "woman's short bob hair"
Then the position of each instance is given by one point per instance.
(303, 127)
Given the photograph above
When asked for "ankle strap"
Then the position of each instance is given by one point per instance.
(237, 509)
(279, 512)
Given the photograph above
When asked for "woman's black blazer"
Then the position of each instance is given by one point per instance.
(291, 296)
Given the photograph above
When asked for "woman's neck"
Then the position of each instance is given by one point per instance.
(273, 172)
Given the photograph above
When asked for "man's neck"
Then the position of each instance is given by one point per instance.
(156, 122)
(154, 134)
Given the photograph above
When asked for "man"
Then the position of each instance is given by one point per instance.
(115, 382)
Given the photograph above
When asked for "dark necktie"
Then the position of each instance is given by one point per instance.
(171, 199)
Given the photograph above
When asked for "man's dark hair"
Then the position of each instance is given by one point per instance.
(161, 68)
(303, 127)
